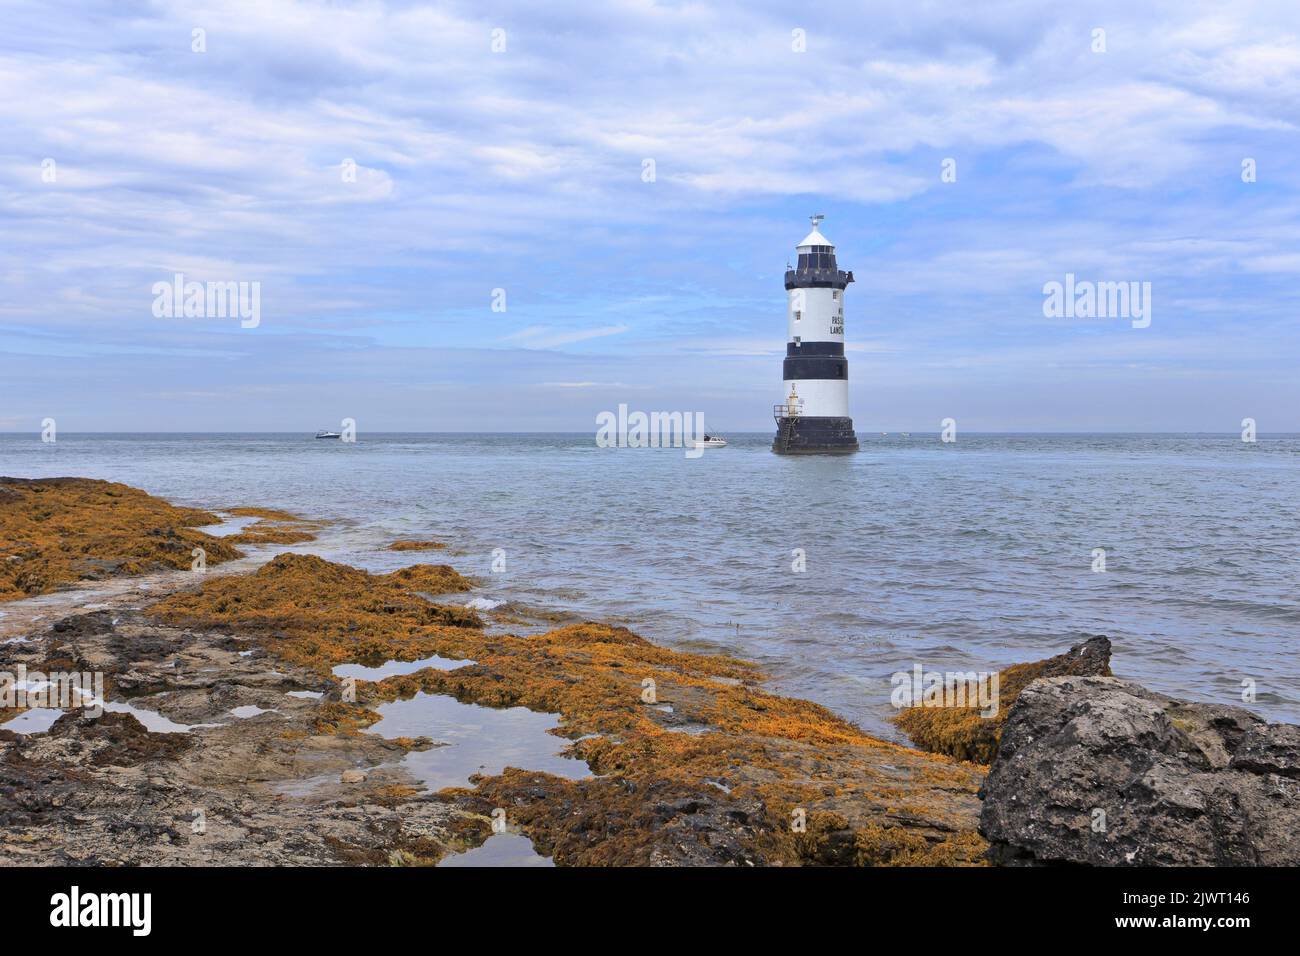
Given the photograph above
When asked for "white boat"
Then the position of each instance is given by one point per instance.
(329, 435)
(709, 441)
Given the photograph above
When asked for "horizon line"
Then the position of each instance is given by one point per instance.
(293, 431)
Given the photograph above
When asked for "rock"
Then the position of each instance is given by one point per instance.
(1089, 659)
(968, 734)
(1098, 770)
(353, 776)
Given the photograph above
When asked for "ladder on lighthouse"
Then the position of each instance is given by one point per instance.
(786, 416)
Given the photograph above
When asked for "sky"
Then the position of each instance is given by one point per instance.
(508, 216)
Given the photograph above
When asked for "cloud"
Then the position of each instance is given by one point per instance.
(616, 385)
(543, 337)
(524, 170)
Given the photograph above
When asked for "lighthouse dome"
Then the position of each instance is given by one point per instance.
(815, 238)
(816, 256)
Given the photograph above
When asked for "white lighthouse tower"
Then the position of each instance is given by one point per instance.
(813, 417)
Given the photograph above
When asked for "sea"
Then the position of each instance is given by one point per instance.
(834, 574)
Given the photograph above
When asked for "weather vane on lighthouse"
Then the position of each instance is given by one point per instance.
(814, 416)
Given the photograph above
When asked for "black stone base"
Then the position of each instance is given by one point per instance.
(815, 436)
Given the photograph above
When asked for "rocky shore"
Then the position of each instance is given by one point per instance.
(230, 735)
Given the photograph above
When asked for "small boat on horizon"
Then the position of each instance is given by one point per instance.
(329, 434)
(709, 441)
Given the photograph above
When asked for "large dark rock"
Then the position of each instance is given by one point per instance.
(1099, 770)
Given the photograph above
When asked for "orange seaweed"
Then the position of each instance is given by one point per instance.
(58, 531)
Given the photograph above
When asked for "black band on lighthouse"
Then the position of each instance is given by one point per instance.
(797, 369)
(794, 349)
(817, 279)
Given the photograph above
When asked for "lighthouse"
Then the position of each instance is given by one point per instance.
(813, 416)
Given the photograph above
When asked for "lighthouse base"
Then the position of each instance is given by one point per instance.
(811, 435)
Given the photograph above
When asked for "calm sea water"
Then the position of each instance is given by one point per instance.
(966, 556)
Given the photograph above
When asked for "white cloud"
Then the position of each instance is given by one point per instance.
(523, 170)
(543, 337)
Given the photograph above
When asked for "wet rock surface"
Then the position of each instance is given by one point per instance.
(1103, 771)
(589, 821)
(265, 790)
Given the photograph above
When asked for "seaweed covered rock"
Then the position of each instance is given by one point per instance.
(273, 527)
(1098, 770)
(417, 545)
(967, 734)
(57, 531)
(314, 612)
